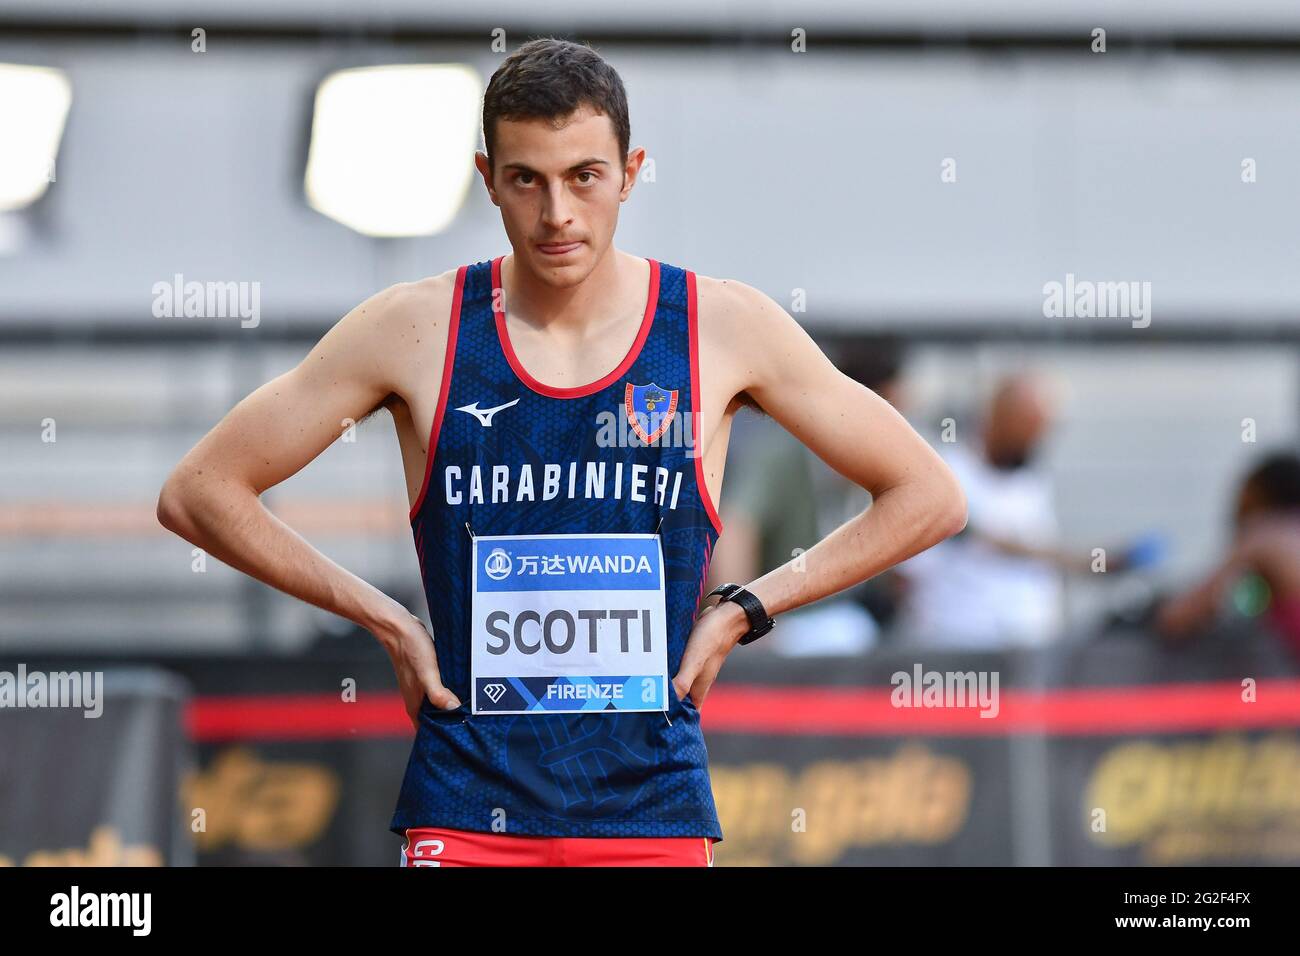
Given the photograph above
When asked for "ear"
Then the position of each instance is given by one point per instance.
(484, 168)
(635, 157)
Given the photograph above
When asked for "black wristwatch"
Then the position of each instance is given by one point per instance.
(759, 622)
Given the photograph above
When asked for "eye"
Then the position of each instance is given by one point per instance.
(523, 179)
(587, 172)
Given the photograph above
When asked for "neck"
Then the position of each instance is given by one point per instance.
(531, 299)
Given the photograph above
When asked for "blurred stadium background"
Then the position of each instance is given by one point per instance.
(906, 186)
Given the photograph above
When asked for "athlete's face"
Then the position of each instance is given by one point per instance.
(559, 191)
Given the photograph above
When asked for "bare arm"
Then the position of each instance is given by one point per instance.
(212, 497)
(916, 499)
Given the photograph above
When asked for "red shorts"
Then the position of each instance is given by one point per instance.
(439, 846)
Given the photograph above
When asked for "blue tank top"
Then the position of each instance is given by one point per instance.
(509, 455)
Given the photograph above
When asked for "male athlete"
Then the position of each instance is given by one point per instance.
(563, 414)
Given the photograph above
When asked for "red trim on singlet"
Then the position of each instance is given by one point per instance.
(448, 360)
(577, 391)
(704, 571)
(692, 320)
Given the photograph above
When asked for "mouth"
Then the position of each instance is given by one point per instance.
(557, 248)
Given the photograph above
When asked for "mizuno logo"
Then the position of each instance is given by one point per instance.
(484, 415)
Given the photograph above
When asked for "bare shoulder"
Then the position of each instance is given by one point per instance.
(729, 305)
(747, 331)
(391, 342)
(421, 304)
(748, 320)
(401, 317)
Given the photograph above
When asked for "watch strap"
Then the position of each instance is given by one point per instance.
(759, 620)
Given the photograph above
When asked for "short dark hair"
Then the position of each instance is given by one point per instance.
(548, 78)
(1276, 479)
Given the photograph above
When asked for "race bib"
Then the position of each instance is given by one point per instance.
(568, 623)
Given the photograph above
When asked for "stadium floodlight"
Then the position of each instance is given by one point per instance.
(392, 147)
(34, 103)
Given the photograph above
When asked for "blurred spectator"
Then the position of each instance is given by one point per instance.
(1266, 543)
(998, 583)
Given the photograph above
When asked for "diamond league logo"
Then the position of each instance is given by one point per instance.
(494, 692)
(497, 564)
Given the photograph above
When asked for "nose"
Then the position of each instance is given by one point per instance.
(555, 210)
